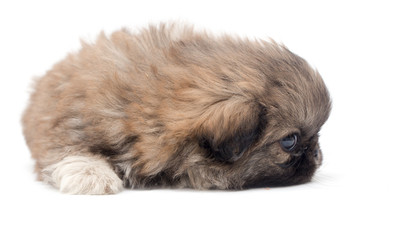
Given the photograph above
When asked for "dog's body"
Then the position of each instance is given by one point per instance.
(177, 108)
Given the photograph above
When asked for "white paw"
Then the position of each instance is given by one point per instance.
(83, 175)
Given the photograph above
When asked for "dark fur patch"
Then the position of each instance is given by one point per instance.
(162, 179)
(276, 83)
(111, 150)
(225, 78)
(232, 147)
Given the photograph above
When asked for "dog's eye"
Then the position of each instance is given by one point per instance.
(289, 143)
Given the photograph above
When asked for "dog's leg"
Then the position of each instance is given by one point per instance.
(83, 175)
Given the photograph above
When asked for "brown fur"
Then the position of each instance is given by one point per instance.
(180, 108)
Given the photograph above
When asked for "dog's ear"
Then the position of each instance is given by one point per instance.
(230, 128)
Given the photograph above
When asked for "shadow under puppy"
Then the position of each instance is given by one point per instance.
(172, 107)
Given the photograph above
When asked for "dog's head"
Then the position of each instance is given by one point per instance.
(263, 111)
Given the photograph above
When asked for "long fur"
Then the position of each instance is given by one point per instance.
(169, 106)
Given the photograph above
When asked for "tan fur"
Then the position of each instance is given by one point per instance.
(156, 103)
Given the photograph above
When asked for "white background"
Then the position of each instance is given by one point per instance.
(351, 44)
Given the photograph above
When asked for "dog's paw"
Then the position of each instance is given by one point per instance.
(83, 175)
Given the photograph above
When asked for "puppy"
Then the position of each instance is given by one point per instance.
(172, 107)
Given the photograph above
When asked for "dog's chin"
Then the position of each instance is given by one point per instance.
(301, 172)
(277, 181)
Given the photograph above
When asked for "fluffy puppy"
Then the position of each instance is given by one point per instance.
(172, 107)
